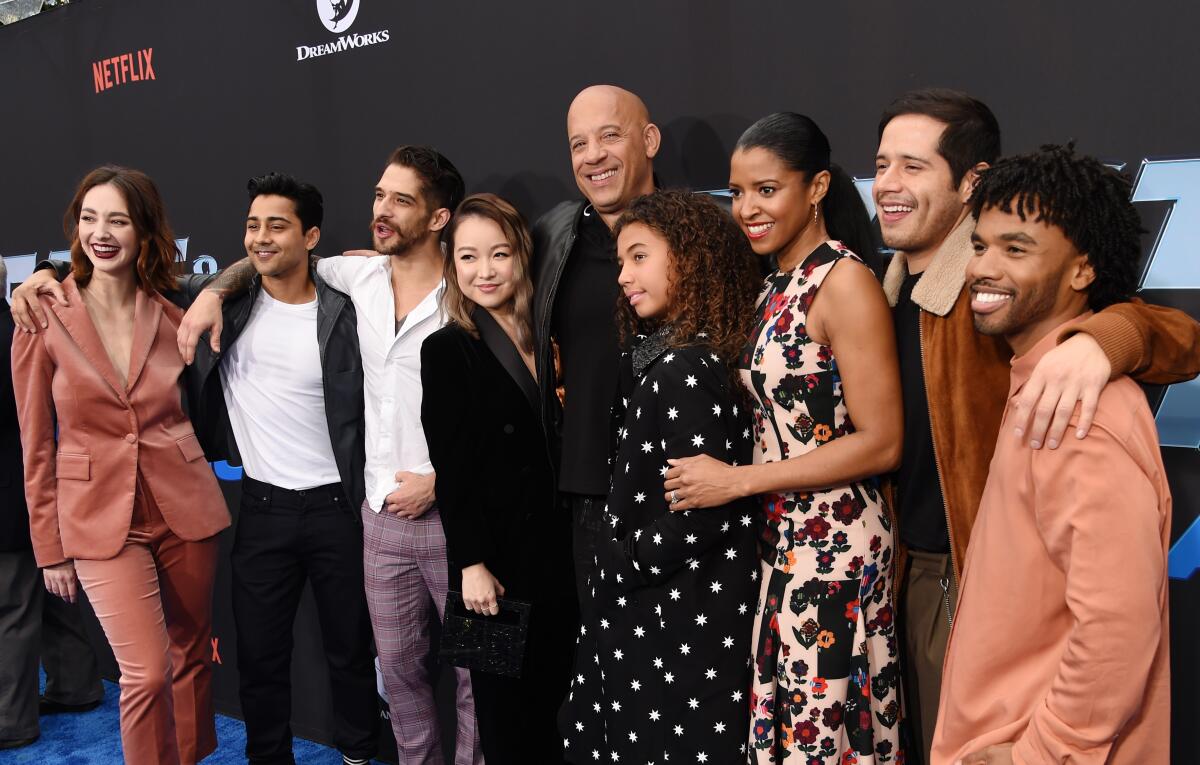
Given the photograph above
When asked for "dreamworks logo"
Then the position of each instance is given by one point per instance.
(337, 16)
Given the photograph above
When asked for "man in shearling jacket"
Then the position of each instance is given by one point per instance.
(932, 145)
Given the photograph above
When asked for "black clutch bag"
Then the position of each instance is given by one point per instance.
(494, 644)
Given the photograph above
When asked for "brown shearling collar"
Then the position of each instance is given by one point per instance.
(942, 282)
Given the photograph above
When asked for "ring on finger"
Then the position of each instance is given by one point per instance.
(674, 497)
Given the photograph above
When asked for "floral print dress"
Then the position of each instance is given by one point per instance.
(662, 664)
(826, 675)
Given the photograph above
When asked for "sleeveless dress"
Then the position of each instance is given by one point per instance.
(825, 667)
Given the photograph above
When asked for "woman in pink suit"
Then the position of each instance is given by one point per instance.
(123, 501)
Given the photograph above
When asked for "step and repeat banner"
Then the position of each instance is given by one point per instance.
(204, 95)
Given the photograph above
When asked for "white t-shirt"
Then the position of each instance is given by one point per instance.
(276, 397)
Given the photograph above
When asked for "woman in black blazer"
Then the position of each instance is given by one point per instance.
(495, 484)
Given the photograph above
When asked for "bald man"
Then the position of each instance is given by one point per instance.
(612, 144)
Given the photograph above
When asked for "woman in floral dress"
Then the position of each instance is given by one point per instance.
(821, 367)
(662, 665)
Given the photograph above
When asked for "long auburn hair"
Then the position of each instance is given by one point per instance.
(714, 277)
(155, 265)
(458, 307)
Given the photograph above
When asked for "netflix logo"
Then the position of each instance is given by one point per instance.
(119, 70)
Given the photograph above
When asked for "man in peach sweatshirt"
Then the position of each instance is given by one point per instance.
(1059, 653)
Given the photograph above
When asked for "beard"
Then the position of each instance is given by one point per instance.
(1025, 308)
(401, 242)
(939, 222)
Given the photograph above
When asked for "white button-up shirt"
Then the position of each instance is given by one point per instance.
(391, 368)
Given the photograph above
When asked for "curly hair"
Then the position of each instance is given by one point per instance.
(714, 277)
(1082, 196)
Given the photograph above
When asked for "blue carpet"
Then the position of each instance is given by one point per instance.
(94, 738)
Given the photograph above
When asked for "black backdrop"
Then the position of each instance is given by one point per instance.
(241, 88)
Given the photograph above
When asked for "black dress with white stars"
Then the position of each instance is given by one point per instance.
(662, 666)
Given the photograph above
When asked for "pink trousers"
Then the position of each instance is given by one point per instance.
(154, 601)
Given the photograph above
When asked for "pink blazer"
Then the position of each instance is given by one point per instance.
(80, 489)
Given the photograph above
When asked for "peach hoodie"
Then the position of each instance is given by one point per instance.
(1060, 642)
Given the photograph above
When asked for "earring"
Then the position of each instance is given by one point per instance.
(816, 211)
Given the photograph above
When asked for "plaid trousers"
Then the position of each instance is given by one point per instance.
(404, 564)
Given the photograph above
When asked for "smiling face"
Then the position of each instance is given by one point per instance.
(401, 215)
(275, 240)
(1026, 278)
(483, 262)
(106, 231)
(645, 260)
(916, 199)
(612, 147)
(772, 203)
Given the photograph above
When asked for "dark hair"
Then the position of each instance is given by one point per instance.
(155, 266)
(310, 206)
(972, 134)
(458, 306)
(440, 179)
(714, 273)
(1082, 196)
(802, 146)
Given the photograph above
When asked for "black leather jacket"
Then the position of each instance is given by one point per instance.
(341, 373)
(553, 237)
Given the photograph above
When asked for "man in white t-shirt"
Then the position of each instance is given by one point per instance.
(398, 303)
(291, 386)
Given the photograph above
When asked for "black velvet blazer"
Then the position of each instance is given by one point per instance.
(495, 485)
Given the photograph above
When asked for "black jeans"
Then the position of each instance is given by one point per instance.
(284, 537)
(587, 520)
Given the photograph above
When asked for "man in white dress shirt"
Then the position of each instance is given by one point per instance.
(397, 299)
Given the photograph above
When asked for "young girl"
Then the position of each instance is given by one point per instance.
(661, 667)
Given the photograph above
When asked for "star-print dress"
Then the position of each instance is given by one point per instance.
(662, 666)
(825, 663)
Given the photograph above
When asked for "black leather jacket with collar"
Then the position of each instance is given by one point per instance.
(554, 236)
(341, 372)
